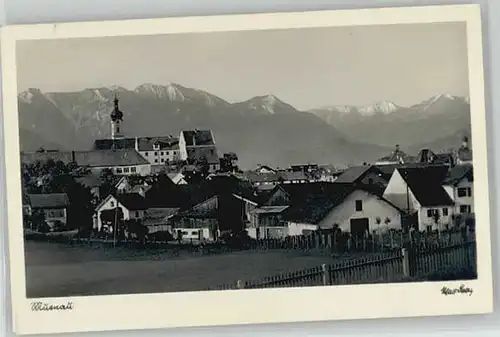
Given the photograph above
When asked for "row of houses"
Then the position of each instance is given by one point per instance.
(362, 199)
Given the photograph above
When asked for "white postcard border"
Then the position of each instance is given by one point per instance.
(124, 312)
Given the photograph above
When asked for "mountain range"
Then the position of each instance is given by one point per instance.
(261, 130)
(438, 122)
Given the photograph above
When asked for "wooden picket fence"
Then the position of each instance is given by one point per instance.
(328, 243)
(407, 264)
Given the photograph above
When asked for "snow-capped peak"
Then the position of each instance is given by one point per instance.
(442, 96)
(385, 107)
(171, 91)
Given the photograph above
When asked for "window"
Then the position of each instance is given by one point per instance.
(146, 154)
(359, 205)
(125, 170)
(162, 160)
(370, 181)
(112, 204)
(156, 160)
(462, 192)
(118, 170)
(445, 211)
(168, 153)
(469, 192)
(431, 212)
(465, 209)
(118, 129)
(156, 153)
(136, 214)
(161, 153)
(133, 169)
(429, 228)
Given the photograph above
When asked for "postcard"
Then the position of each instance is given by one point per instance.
(246, 169)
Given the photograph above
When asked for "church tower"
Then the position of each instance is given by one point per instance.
(116, 121)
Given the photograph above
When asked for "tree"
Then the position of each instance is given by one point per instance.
(108, 180)
(228, 162)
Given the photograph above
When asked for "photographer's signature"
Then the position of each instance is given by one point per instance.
(455, 291)
(43, 306)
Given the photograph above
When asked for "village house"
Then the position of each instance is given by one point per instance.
(225, 206)
(200, 222)
(264, 169)
(364, 175)
(158, 150)
(419, 191)
(459, 184)
(396, 157)
(354, 209)
(53, 207)
(199, 146)
(159, 219)
(177, 178)
(464, 153)
(127, 206)
(120, 162)
(267, 222)
(426, 156)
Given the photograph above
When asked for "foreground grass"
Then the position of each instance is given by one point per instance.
(55, 270)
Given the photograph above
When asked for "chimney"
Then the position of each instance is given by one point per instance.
(136, 143)
(397, 147)
(194, 139)
(73, 157)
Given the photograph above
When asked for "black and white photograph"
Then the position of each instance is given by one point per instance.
(244, 160)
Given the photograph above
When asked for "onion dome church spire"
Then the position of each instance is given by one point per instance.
(116, 119)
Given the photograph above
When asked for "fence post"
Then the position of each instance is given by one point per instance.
(406, 262)
(240, 284)
(325, 274)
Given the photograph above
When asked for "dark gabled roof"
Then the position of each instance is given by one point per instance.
(198, 137)
(256, 177)
(163, 143)
(160, 213)
(355, 173)
(294, 176)
(92, 158)
(53, 200)
(298, 192)
(200, 212)
(426, 184)
(388, 170)
(459, 172)
(313, 207)
(429, 157)
(132, 201)
(109, 158)
(33, 157)
(108, 144)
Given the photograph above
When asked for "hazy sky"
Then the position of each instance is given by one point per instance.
(304, 67)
